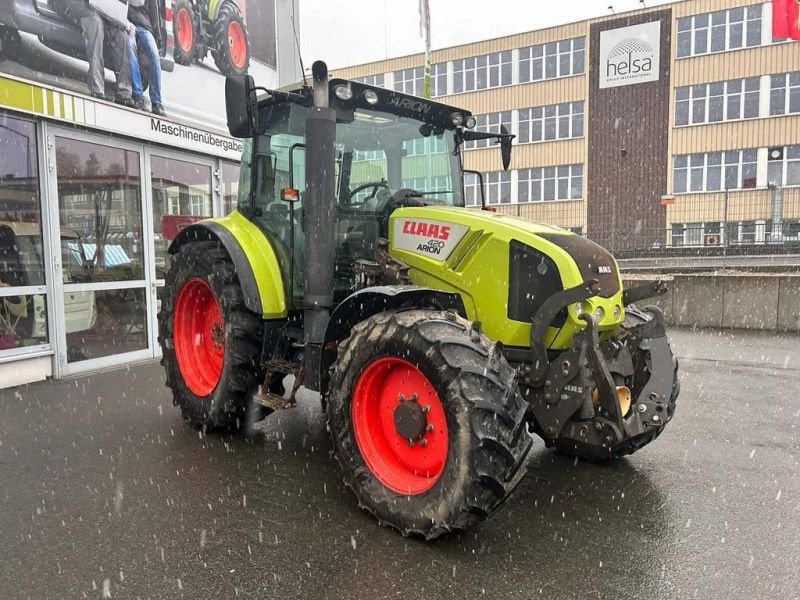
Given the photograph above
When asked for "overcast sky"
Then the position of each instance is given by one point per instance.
(348, 32)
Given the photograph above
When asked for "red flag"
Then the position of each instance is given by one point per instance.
(786, 19)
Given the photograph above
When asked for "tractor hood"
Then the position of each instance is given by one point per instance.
(505, 268)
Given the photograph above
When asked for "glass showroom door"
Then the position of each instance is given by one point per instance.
(102, 274)
(182, 190)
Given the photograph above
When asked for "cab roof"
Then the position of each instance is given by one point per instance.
(405, 105)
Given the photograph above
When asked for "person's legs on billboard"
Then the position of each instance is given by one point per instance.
(136, 76)
(94, 34)
(122, 71)
(146, 41)
(91, 25)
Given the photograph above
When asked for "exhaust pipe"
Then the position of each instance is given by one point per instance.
(319, 221)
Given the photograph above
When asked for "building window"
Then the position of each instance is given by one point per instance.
(551, 60)
(696, 234)
(438, 79)
(472, 189)
(714, 171)
(490, 123)
(498, 187)
(540, 184)
(437, 183)
(783, 167)
(552, 122)
(719, 31)
(715, 102)
(409, 81)
(377, 80)
(416, 147)
(481, 72)
(784, 94)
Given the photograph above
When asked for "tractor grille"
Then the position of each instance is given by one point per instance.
(594, 262)
(533, 277)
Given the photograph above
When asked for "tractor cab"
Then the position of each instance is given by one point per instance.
(391, 150)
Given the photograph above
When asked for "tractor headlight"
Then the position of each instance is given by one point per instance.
(617, 311)
(371, 97)
(343, 92)
(599, 313)
(457, 118)
(579, 308)
(470, 122)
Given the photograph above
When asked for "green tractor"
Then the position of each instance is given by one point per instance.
(440, 338)
(215, 25)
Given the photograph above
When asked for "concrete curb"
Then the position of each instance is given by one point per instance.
(730, 301)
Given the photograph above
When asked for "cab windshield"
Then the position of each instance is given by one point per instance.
(379, 154)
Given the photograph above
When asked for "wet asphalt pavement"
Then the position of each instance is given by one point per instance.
(106, 493)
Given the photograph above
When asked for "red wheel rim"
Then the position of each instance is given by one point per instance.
(381, 387)
(237, 44)
(185, 32)
(199, 336)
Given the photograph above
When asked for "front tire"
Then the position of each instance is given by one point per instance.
(209, 339)
(458, 394)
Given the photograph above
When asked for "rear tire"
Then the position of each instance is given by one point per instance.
(185, 31)
(213, 369)
(231, 46)
(482, 417)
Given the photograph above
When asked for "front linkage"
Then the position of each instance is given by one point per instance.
(601, 400)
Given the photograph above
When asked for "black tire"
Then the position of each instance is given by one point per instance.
(488, 439)
(225, 407)
(184, 56)
(221, 51)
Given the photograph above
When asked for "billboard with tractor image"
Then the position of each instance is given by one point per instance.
(198, 43)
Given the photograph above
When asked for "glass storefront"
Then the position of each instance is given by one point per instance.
(83, 243)
(23, 312)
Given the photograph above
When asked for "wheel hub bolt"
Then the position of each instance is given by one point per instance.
(426, 408)
(410, 443)
(598, 426)
(656, 419)
(642, 408)
(401, 398)
(423, 442)
(428, 428)
(413, 397)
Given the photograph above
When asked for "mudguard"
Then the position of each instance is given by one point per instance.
(253, 256)
(370, 301)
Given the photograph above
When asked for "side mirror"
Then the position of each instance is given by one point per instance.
(505, 147)
(241, 106)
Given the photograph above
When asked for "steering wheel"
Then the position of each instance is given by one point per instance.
(373, 185)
